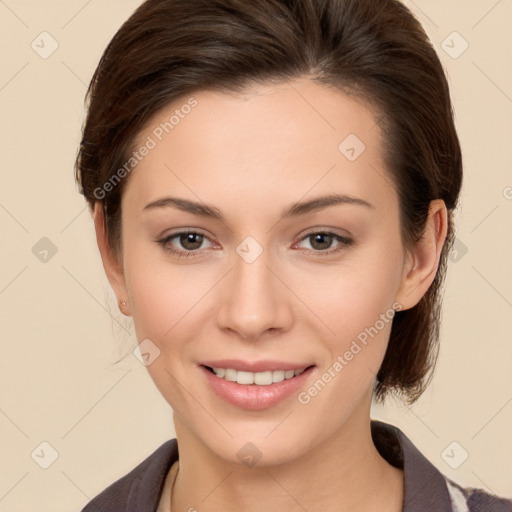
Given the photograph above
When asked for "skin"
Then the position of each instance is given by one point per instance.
(252, 156)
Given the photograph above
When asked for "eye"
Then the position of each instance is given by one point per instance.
(190, 241)
(321, 242)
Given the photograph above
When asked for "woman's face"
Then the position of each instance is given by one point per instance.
(263, 284)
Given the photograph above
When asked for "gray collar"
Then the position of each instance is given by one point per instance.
(425, 486)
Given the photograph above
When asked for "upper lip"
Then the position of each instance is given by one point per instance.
(255, 366)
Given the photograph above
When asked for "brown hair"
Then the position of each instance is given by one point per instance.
(373, 49)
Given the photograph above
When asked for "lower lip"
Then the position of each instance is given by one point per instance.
(253, 396)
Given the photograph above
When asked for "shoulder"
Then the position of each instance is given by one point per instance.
(472, 499)
(426, 489)
(141, 487)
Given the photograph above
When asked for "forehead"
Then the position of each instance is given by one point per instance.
(274, 142)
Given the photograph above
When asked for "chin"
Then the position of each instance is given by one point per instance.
(260, 452)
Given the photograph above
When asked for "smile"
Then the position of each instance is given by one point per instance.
(265, 378)
(255, 385)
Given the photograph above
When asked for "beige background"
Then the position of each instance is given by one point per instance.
(60, 328)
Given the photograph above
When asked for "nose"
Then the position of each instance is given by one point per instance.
(254, 301)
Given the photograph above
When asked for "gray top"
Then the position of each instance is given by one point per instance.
(426, 488)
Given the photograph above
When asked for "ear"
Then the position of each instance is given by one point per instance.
(113, 267)
(422, 261)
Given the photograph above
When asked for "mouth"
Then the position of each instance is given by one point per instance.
(255, 386)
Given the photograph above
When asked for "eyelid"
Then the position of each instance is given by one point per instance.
(327, 231)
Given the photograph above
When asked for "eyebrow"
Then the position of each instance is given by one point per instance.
(295, 210)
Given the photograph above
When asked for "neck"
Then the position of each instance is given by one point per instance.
(345, 473)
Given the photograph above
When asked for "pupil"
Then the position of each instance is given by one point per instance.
(320, 236)
(189, 238)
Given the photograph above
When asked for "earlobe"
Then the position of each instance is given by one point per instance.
(423, 259)
(111, 264)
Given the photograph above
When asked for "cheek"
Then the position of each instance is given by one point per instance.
(165, 303)
(352, 297)
(356, 304)
(164, 295)
(360, 313)
(166, 311)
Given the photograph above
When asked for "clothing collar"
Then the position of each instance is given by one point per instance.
(425, 487)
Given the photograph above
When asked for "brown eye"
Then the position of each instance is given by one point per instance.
(190, 241)
(321, 243)
(184, 243)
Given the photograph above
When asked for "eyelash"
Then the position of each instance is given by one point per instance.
(344, 242)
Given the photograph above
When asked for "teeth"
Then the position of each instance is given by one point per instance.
(229, 374)
(277, 376)
(258, 378)
(245, 377)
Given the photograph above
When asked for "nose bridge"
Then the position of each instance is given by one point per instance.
(253, 300)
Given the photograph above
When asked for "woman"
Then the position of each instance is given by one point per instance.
(273, 186)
